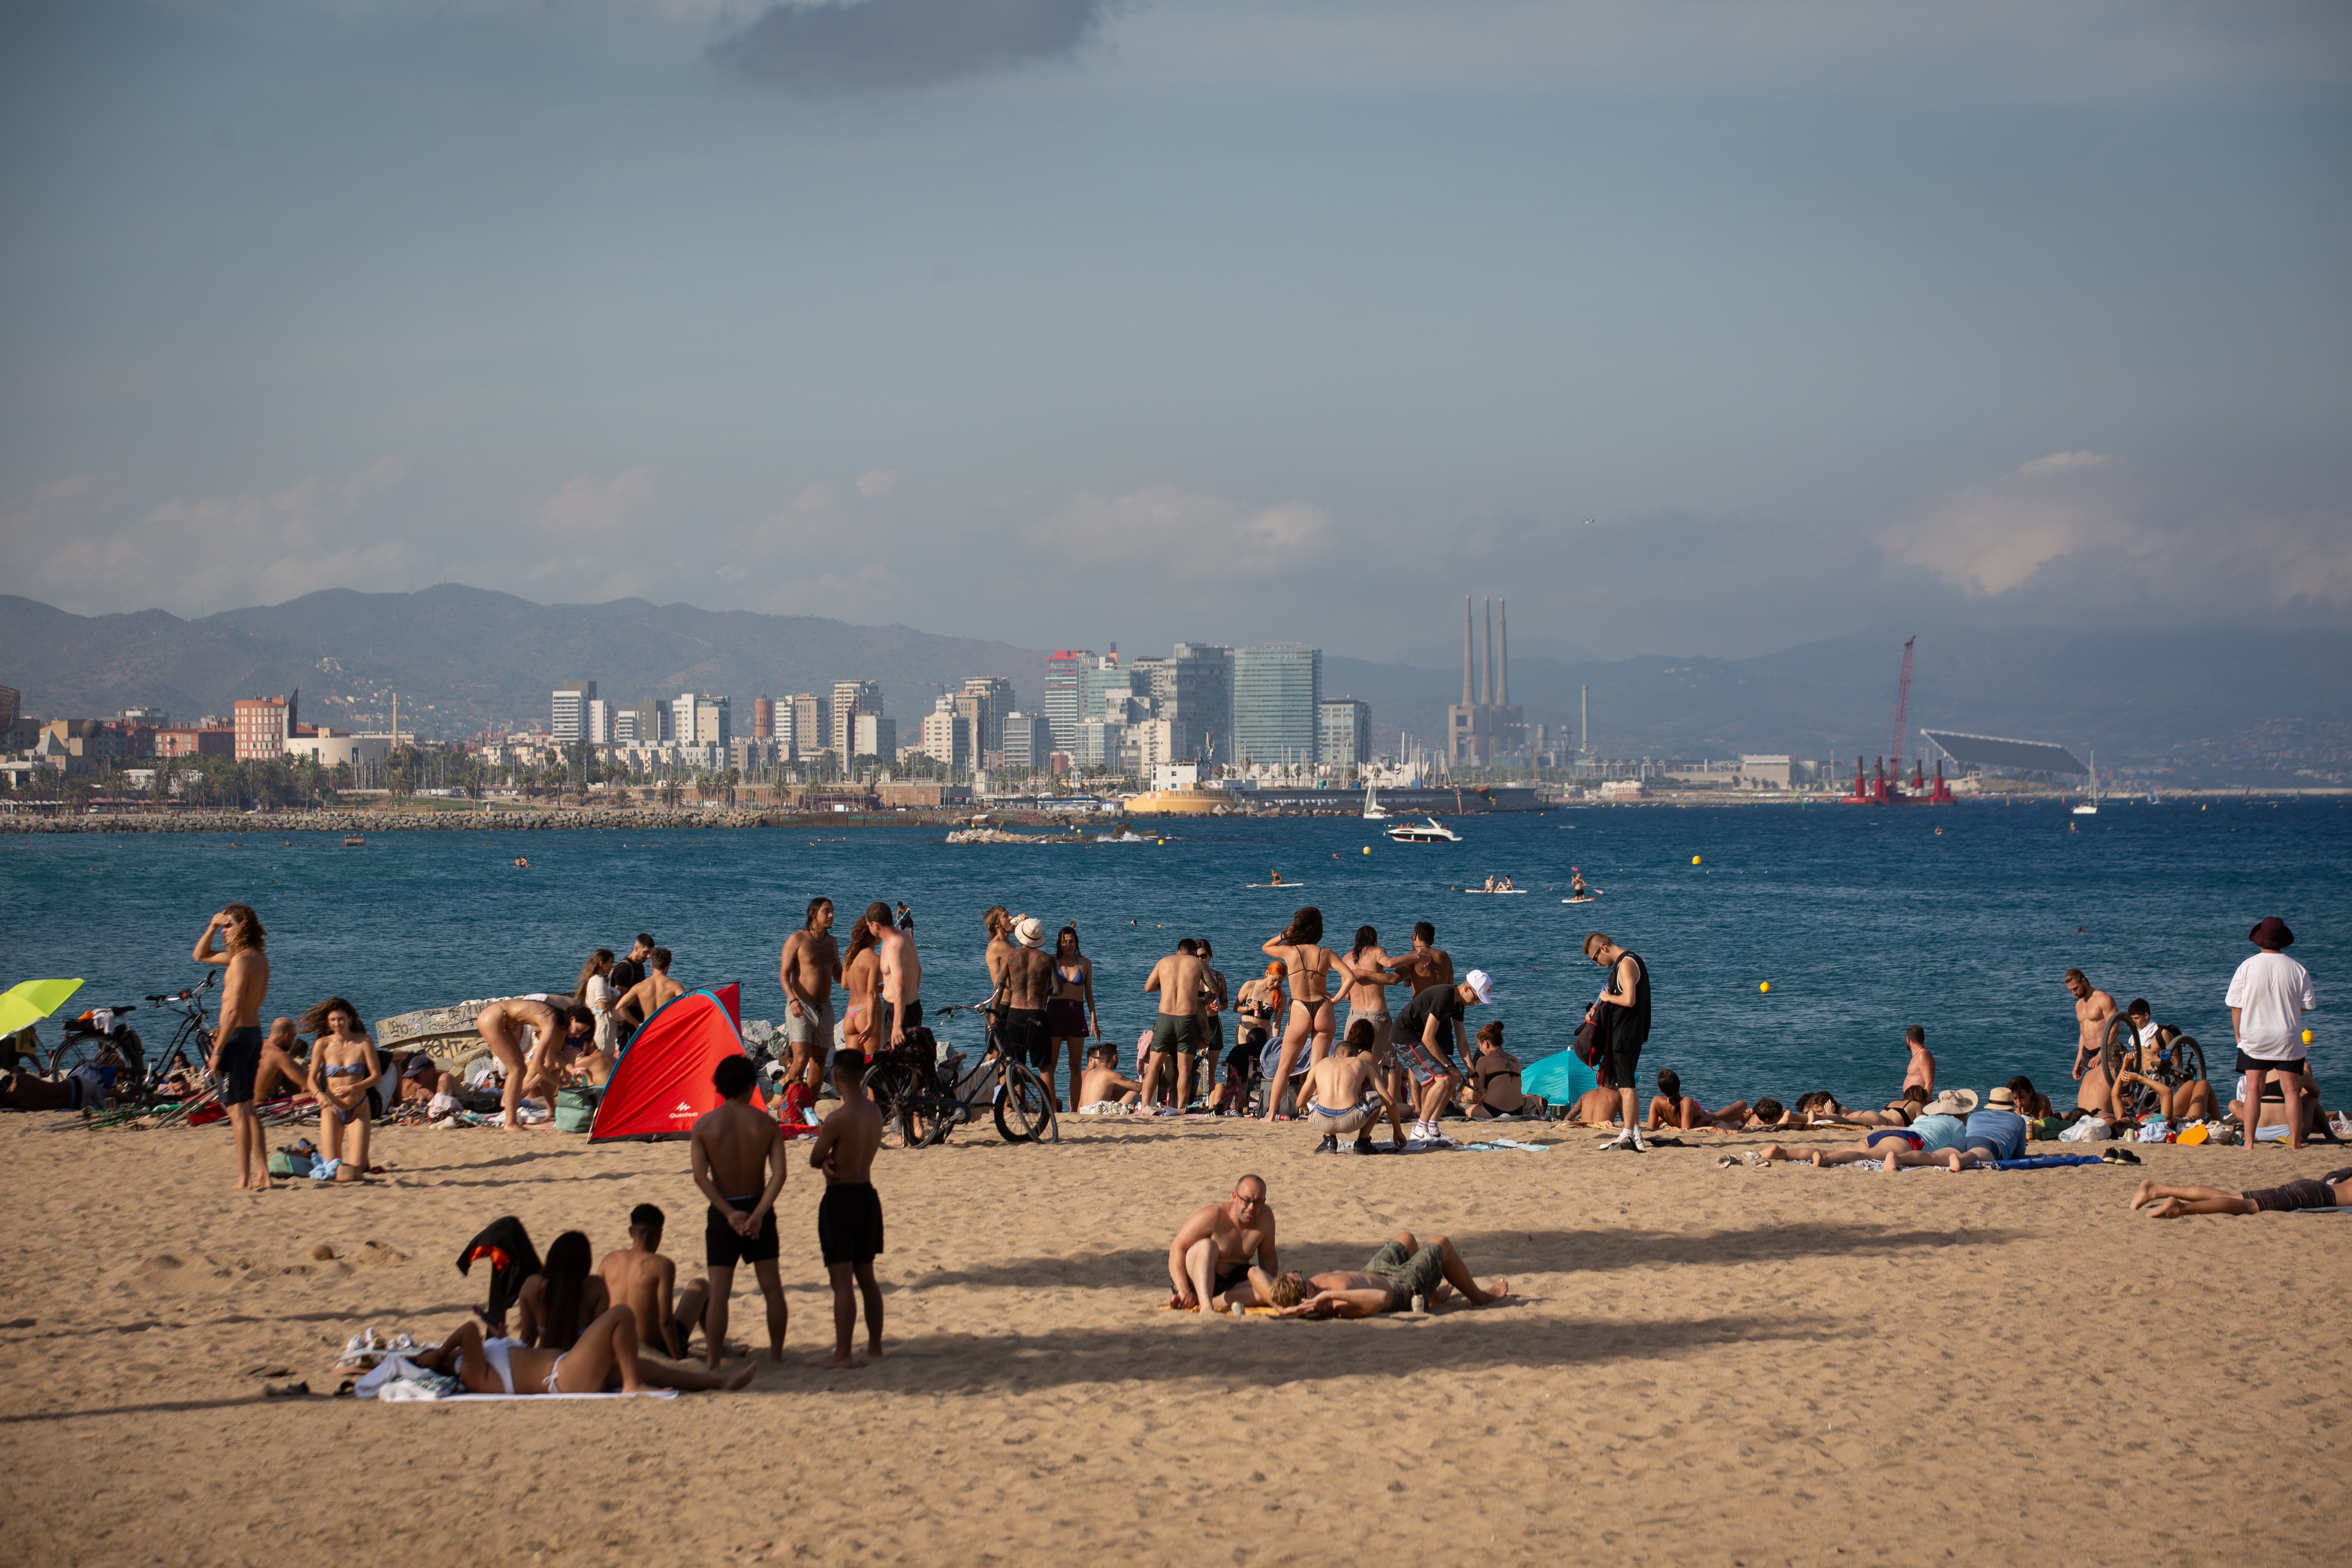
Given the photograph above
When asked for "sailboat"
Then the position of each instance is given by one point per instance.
(2091, 806)
(1373, 812)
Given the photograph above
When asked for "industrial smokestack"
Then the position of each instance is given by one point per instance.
(1488, 685)
(1502, 670)
(1466, 698)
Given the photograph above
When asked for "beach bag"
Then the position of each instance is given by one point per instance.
(287, 1163)
(2089, 1130)
(575, 1108)
(1592, 1040)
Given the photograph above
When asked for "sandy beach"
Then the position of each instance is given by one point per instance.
(1698, 1365)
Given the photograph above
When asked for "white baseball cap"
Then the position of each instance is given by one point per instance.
(1478, 980)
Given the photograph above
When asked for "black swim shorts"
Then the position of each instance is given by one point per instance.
(240, 1060)
(1229, 1278)
(723, 1249)
(849, 1223)
(885, 1022)
(2306, 1194)
(1024, 1034)
(1623, 1059)
(2292, 1068)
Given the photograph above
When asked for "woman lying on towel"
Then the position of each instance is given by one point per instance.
(606, 1347)
(561, 1305)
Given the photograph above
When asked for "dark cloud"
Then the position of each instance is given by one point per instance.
(861, 45)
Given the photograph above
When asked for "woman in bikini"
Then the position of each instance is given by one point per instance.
(1314, 1014)
(343, 1069)
(564, 1306)
(861, 976)
(1672, 1110)
(1070, 1010)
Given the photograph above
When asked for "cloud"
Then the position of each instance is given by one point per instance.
(602, 511)
(1180, 534)
(834, 46)
(1991, 538)
(878, 483)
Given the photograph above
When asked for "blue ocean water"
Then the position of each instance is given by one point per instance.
(1861, 920)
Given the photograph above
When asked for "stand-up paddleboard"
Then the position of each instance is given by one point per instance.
(1588, 899)
(1498, 891)
(1276, 887)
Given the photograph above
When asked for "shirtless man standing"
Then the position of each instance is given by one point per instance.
(1368, 977)
(2093, 1010)
(1399, 1271)
(1181, 980)
(502, 1024)
(1426, 965)
(849, 1215)
(809, 968)
(1211, 1261)
(738, 1164)
(900, 1007)
(1025, 977)
(640, 1278)
(236, 1044)
(656, 990)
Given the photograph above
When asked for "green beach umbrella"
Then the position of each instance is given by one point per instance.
(33, 1001)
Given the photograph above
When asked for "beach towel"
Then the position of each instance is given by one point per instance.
(2038, 1162)
(1424, 1146)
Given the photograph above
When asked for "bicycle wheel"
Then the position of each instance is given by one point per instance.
(893, 1088)
(2120, 1043)
(1024, 1109)
(925, 1121)
(2187, 1060)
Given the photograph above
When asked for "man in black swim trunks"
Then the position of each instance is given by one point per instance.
(1622, 1012)
(1213, 1260)
(849, 1216)
(1025, 976)
(237, 1046)
(738, 1164)
(2327, 1191)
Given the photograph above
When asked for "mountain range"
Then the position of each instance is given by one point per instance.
(2255, 707)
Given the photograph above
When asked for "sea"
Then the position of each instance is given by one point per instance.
(1788, 945)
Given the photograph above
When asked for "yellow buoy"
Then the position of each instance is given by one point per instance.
(1368, 848)
(1163, 841)
(2307, 1037)
(1765, 985)
(1694, 860)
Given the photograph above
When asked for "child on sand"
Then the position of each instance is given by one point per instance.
(849, 1217)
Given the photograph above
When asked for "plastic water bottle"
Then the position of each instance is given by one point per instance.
(1420, 1305)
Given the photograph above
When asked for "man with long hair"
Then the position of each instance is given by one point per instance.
(808, 969)
(236, 1044)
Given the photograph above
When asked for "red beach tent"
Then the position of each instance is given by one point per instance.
(661, 1085)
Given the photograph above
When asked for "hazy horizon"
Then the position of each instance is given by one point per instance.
(1290, 322)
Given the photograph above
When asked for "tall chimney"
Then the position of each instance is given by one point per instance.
(1502, 670)
(1466, 698)
(1584, 719)
(1488, 685)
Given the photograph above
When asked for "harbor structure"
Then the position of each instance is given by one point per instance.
(1484, 725)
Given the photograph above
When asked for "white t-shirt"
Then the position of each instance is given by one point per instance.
(2272, 993)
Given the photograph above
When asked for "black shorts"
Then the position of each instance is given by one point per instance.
(723, 1249)
(1022, 1031)
(2307, 1194)
(1229, 1278)
(2263, 1064)
(886, 1023)
(849, 1223)
(1623, 1057)
(240, 1059)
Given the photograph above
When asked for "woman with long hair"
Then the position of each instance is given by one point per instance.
(595, 992)
(344, 1072)
(1070, 1010)
(861, 976)
(1313, 1014)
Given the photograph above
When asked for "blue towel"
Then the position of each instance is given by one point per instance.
(2040, 1163)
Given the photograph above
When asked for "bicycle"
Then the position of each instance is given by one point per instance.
(2179, 1060)
(923, 1095)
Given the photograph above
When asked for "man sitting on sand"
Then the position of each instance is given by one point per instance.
(1388, 1282)
(1348, 1094)
(2327, 1191)
(1103, 1091)
(640, 1278)
(1211, 1261)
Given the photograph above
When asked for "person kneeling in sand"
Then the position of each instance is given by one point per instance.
(1388, 1282)
(2327, 1191)
(1217, 1256)
(1349, 1093)
(1103, 1090)
(641, 1279)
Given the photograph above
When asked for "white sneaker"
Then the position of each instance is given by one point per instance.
(1640, 1147)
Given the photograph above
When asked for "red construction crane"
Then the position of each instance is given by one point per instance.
(1902, 715)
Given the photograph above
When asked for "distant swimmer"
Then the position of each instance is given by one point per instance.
(522, 862)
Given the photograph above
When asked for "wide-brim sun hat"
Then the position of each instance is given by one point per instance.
(1029, 931)
(2272, 933)
(1951, 1102)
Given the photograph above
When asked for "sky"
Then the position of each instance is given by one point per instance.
(1687, 326)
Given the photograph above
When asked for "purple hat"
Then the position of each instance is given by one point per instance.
(2271, 934)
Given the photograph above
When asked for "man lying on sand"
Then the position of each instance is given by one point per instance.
(1388, 1282)
(1938, 1136)
(2327, 1191)
(1212, 1259)
(640, 1278)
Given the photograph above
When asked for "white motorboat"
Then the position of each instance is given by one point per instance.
(1406, 833)
(1373, 810)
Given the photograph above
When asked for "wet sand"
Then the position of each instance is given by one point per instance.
(1697, 1365)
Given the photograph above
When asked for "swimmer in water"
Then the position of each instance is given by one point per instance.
(523, 863)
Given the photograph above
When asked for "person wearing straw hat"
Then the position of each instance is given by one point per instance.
(2268, 996)
(1025, 974)
(1997, 1132)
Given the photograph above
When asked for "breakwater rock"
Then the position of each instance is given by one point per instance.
(493, 820)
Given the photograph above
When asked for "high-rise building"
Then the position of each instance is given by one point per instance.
(568, 721)
(947, 736)
(1344, 732)
(851, 698)
(700, 718)
(624, 725)
(1276, 692)
(990, 699)
(1065, 695)
(1028, 744)
(11, 701)
(648, 723)
(1155, 745)
(809, 735)
(597, 726)
(763, 717)
(263, 725)
(1200, 700)
(875, 735)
